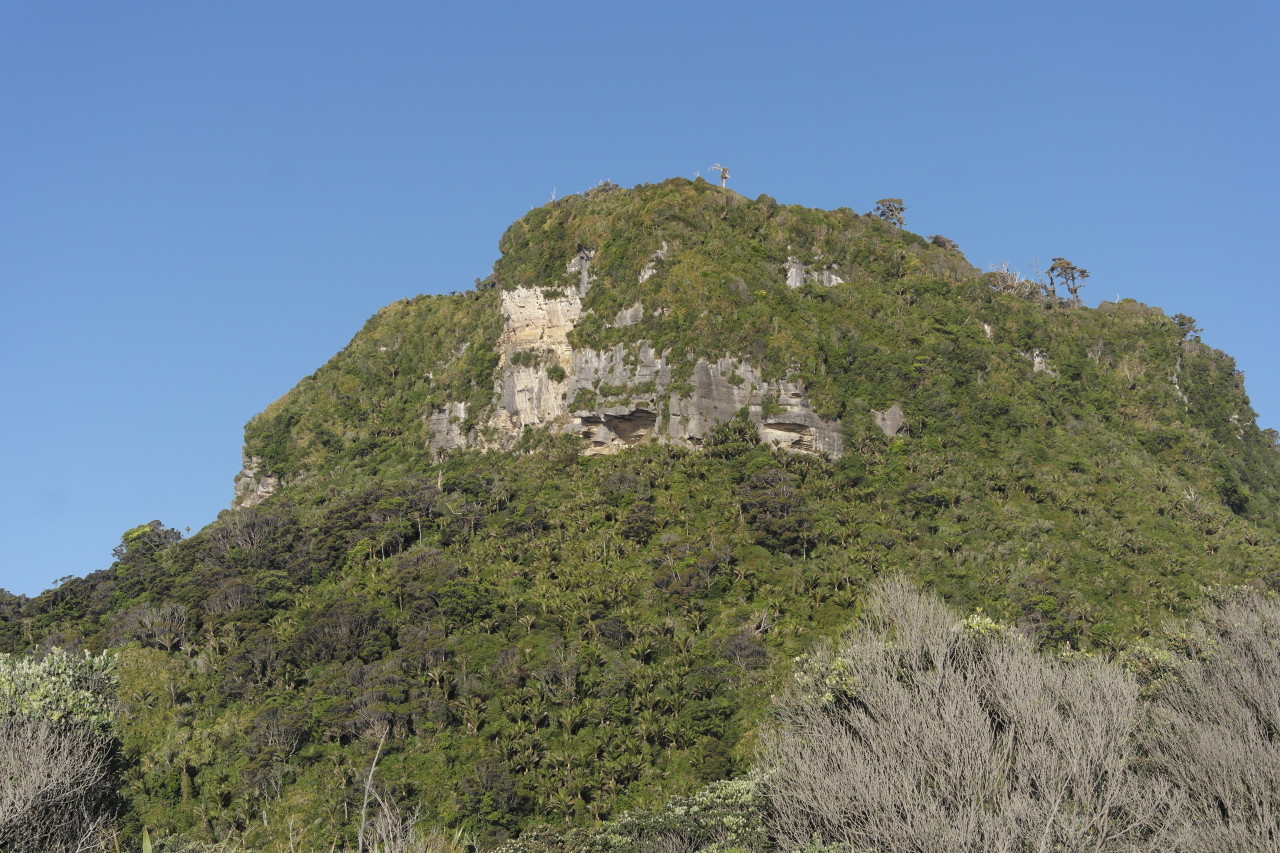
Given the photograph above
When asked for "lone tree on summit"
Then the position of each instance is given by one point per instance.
(1071, 276)
(891, 210)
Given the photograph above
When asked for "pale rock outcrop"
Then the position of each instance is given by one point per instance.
(651, 268)
(581, 265)
(251, 486)
(717, 397)
(1174, 378)
(891, 421)
(444, 427)
(619, 366)
(629, 316)
(537, 325)
(1039, 362)
(797, 274)
(632, 390)
(720, 389)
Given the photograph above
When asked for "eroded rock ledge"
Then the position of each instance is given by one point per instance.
(251, 486)
(618, 397)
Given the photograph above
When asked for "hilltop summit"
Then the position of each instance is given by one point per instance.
(658, 313)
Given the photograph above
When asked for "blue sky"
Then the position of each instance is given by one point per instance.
(201, 202)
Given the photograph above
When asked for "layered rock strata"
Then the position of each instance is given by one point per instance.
(624, 395)
(252, 487)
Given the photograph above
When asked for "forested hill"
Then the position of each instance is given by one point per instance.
(546, 547)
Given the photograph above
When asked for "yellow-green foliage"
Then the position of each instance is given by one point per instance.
(63, 688)
(368, 402)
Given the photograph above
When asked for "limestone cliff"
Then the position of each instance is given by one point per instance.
(252, 487)
(543, 381)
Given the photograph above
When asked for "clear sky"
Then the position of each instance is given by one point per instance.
(201, 202)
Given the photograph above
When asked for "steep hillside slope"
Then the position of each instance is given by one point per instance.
(546, 546)
(623, 314)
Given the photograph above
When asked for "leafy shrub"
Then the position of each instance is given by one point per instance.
(723, 817)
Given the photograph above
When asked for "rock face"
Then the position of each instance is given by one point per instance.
(445, 427)
(797, 274)
(252, 488)
(618, 397)
(533, 351)
(891, 421)
(1039, 362)
(629, 316)
(651, 268)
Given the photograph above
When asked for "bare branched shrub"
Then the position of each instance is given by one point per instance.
(1215, 724)
(246, 529)
(923, 732)
(162, 625)
(391, 830)
(55, 784)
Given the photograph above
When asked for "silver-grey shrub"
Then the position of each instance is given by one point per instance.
(1214, 729)
(925, 732)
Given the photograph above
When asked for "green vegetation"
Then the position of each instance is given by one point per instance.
(1070, 275)
(57, 750)
(494, 644)
(724, 817)
(547, 638)
(365, 407)
(891, 210)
